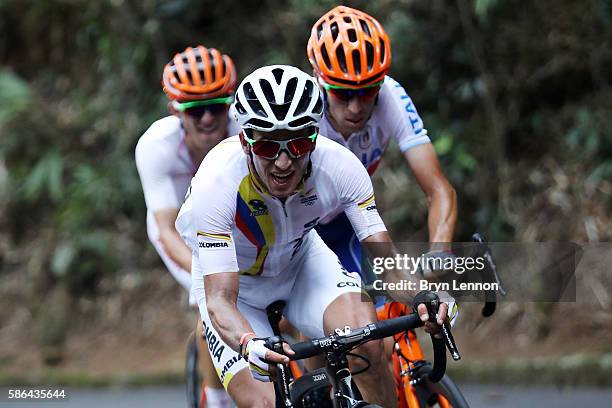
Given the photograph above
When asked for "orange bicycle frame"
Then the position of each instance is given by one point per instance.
(406, 351)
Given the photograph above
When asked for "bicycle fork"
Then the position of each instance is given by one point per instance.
(341, 379)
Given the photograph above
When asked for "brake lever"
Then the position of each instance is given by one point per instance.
(451, 345)
(275, 344)
(432, 302)
(490, 296)
(479, 238)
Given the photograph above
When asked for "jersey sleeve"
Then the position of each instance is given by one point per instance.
(401, 117)
(356, 196)
(213, 215)
(154, 160)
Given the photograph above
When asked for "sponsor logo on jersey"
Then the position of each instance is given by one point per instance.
(258, 207)
(214, 344)
(348, 284)
(213, 244)
(219, 240)
(310, 200)
(368, 204)
(365, 140)
(229, 365)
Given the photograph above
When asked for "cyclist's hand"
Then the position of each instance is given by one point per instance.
(432, 327)
(260, 357)
(447, 311)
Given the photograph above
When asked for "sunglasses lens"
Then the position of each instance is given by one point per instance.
(369, 93)
(217, 108)
(199, 111)
(300, 146)
(267, 149)
(196, 111)
(348, 94)
(342, 94)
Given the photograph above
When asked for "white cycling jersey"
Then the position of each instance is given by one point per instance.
(239, 227)
(165, 168)
(233, 225)
(394, 116)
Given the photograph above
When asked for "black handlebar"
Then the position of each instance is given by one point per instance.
(337, 343)
(348, 341)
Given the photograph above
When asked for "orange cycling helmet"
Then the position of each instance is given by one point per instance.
(199, 73)
(349, 48)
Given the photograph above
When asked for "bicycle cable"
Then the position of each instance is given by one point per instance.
(363, 370)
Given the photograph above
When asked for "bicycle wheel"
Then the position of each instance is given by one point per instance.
(193, 379)
(443, 394)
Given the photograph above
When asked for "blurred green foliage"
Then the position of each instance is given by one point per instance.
(515, 95)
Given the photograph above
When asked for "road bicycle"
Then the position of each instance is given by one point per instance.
(332, 386)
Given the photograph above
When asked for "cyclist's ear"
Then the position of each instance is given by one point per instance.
(172, 109)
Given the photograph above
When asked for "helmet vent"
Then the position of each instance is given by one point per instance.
(347, 19)
(382, 51)
(304, 99)
(290, 90)
(253, 102)
(341, 59)
(259, 123)
(319, 31)
(223, 68)
(326, 59)
(370, 54)
(188, 72)
(318, 107)
(356, 61)
(352, 35)
(365, 27)
(278, 75)
(267, 89)
(305, 120)
(248, 90)
(280, 111)
(240, 108)
(334, 30)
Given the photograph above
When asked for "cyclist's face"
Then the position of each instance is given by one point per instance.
(204, 132)
(349, 116)
(282, 175)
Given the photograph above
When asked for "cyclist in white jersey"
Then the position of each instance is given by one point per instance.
(199, 83)
(250, 218)
(364, 109)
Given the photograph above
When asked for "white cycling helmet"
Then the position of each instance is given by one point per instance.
(278, 97)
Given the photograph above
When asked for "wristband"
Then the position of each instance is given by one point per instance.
(243, 338)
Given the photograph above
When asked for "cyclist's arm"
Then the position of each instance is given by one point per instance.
(170, 239)
(221, 296)
(403, 122)
(441, 196)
